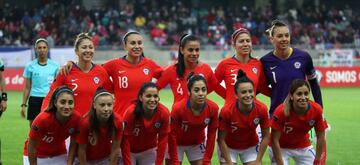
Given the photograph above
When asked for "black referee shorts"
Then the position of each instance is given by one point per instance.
(34, 107)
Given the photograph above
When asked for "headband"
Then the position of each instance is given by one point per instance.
(103, 93)
(238, 32)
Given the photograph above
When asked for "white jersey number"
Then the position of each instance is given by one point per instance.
(123, 82)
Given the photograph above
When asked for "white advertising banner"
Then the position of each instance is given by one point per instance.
(62, 55)
(342, 57)
(15, 58)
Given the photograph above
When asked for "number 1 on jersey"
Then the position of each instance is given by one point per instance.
(274, 77)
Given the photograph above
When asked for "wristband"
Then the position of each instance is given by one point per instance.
(23, 105)
(4, 96)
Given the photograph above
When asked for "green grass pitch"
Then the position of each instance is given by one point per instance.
(342, 111)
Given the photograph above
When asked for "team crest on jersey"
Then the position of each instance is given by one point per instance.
(146, 71)
(96, 80)
(256, 121)
(297, 64)
(207, 121)
(157, 124)
(254, 70)
(311, 123)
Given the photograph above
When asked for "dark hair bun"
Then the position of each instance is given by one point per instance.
(240, 74)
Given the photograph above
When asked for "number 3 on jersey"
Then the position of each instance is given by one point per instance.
(123, 82)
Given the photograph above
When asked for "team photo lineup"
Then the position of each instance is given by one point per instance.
(83, 112)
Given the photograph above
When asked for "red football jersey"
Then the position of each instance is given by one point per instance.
(294, 129)
(228, 68)
(83, 84)
(187, 129)
(141, 134)
(99, 147)
(240, 128)
(179, 86)
(128, 78)
(50, 134)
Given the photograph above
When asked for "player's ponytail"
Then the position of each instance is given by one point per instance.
(180, 65)
(274, 24)
(241, 78)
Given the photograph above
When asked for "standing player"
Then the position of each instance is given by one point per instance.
(291, 123)
(131, 71)
(146, 128)
(3, 99)
(46, 142)
(190, 117)
(227, 68)
(38, 74)
(84, 78)
(285, 64)
(100, 132)
(188, 61)
(238, 122)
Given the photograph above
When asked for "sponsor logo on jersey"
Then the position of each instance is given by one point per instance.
(311, 122)
(272, 67)
(157, 124)
(254, 70)
(297, 64)
(233, 70)
(96, 80)
(256, 121)
(207, 121)
(146, 71)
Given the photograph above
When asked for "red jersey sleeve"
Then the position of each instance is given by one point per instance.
(36, 130)
(165, 78)
(224, 119)
(125, 144)
(108, 85)
(212, 127)
(262, 85)
(320, 124)
(172, 138)
(277, 121)
(119, 125)
(215, 84)
(163, 135)
(82, 136)
(219, 72)
(265, 120)
(157, 69)
(59, 81)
